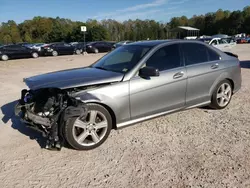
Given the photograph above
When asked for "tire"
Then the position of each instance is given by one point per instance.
(5, 57)
(35, 55)
(221, 99)
(55, 53)
(86, 134)
(78, 52)
(96, 51)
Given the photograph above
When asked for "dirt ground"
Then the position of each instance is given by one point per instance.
(194, 148)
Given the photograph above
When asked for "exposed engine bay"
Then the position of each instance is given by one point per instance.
(46, 110)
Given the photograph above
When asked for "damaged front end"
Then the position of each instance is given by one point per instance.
(46, 110)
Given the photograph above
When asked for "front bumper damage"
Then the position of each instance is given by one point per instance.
(47, 111)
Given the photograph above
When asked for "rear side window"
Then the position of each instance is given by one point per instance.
(12, 47)
(212, 55)
(165, 58)
(194, 53)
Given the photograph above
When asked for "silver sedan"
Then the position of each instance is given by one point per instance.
(133, 83)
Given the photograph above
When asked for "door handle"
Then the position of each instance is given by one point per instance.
(215, 66)
(178, 75)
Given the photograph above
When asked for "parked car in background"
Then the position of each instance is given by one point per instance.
(241, 41)
(122, 43)
(131, 84)
(99, 46)
(220, 43)
(17, 51)
(59, 48)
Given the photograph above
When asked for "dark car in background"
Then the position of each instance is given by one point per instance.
(116, 45)
(17, 51)
(241, 41)
(59, 48)
(99, 46)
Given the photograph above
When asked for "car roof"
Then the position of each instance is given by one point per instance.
(153, 43)
(149, 42)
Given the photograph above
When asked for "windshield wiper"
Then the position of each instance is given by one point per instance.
(101, 68)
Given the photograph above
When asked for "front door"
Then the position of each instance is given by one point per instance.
(163, 93)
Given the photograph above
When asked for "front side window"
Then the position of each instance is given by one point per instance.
(194, 53)
(165, 58)
(214, 42)
(123, 59)
(223, 41)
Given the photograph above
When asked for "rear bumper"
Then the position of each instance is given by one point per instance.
(237, 80)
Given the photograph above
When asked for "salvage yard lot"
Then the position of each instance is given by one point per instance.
(198, 148)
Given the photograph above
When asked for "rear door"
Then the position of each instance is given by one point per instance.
(59, 47)
(203, 68)
(100, 46)
(24, 52)
(68, 49)
(107, 46)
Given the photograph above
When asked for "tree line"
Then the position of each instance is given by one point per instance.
(46, 29)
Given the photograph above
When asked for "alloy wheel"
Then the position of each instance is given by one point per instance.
(54, 53)
(35, 55)
(91, 130)
(224, 94)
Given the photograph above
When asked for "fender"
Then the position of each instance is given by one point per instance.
(99, 98)
(223, 76)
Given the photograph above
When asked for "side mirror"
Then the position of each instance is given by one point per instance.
(148, 72)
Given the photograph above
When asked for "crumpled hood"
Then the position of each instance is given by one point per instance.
(72, 78)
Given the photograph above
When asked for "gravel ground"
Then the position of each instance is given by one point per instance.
(194, 148)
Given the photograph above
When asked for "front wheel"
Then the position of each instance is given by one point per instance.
(35, 55)
(91, 132)
(222, 95)
(78, 52)
(96, 51)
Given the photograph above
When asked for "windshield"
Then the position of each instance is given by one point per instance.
(123, 59)
(37, 45)
(121, 42)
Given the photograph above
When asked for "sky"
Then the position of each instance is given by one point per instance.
(81, 10)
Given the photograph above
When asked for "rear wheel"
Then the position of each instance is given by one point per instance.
(91, 132)
(55, 53)
(5, 57)
(222, 95)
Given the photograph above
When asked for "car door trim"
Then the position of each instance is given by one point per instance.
(142, 119)
(134, 121)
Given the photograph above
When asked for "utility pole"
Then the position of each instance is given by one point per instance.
(84, 29)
